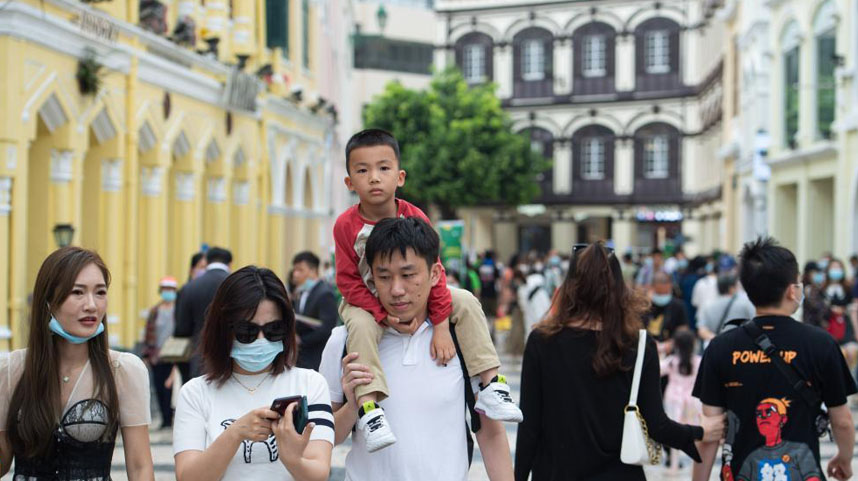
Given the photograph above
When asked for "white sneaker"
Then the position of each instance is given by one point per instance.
(495, 402)
(375, 427)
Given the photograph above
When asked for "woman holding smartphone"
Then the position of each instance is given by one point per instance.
(64, 397)
(224, 427)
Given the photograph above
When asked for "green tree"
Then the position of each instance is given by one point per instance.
(457, 144)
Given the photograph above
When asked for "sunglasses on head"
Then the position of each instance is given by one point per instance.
(247, 332)
(580, 247)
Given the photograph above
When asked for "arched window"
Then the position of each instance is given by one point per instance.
(657, 55)
(593, 161)
(790, 55)
(533, 63)
(824, 31)
(657, 160)
(474, 57)
(542, 141)
(594, 59)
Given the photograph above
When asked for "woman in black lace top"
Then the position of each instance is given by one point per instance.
(64, 398)
(577, 375)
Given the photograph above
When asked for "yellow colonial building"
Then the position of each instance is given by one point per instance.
(153, 128)
(791, 124)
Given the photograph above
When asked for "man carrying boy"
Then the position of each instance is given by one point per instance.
(372, 164)
(426, 398)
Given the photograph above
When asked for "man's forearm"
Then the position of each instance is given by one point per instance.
(494, 447)
(844, 435)
(703, 470)
(344, 419)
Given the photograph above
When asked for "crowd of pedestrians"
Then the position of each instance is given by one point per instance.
(696, 352)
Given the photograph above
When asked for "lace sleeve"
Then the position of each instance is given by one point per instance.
(11, 367)
(132, 382)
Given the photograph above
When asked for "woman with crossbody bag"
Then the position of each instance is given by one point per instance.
(577, 382)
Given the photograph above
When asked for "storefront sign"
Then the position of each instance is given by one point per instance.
(97, 26)
(667, 215)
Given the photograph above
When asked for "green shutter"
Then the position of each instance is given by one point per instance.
(305, 32)
(825, 85)
(277, 25)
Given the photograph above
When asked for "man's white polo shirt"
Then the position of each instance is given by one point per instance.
(426, 411)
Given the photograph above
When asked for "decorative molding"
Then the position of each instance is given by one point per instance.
(111, 175)
(152, 178)
(212, 151)
(62, 166)
(241, 192)
(181, 146)
(287, 109)
(11, 157)
(147, 140)
(103, 127)
(238, 159)
(5, 195)
(217, 189)
(52, 113)
(816, 151)
(185, 186)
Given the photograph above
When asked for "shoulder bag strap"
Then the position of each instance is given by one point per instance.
(796, 381)
(636, 380)
(726, 313)
(470, 400)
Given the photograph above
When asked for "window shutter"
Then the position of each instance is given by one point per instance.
(609, 157)
(277, 24)
(517, 51)
(673, 38)
(549, 57)
(610, 54)
(490, 59)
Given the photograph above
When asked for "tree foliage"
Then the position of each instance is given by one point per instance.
(457, 144)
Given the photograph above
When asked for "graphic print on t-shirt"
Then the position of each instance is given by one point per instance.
(778, 459)
(247, 445)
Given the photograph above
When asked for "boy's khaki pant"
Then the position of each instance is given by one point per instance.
(471, 331)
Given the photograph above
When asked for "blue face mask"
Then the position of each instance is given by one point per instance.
(168, 296)
(682, 264)
(257, 355)
(648, 261)
(661, 300)
(308, 285)
(818, 278)
(710, 267)
(835, 275)
(822, 263)
(57, 329)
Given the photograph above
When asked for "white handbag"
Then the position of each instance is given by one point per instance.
(638, 449)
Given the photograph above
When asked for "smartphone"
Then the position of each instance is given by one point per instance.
(299, 416)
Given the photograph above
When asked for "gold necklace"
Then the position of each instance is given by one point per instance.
(252, 390)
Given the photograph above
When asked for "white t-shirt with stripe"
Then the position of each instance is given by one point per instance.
(205, 411)
(426, 411)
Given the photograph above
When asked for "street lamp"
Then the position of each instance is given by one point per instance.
(63, 234)
(381, 17)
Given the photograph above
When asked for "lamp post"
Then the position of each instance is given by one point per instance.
(381, 18)
(63, 234)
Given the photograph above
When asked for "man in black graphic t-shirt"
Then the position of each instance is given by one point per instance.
(776, 438)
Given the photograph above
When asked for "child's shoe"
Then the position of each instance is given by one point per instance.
(376, 429)
(495, 402)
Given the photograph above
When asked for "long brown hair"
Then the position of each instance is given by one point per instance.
(35, 407)
(236, 300)
(594, 294)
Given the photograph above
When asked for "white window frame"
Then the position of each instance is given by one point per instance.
(474, 62)
(594, 58)
(532, 59)
(592, 158)
(657, 51)
(656, 157)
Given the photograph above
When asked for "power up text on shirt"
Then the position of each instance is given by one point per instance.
(759, 357)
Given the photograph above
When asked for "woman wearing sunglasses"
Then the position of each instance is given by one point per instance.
(223, 426)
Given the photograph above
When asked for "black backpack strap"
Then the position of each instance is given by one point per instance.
(470, 400)
(724, 316)
(798, 383)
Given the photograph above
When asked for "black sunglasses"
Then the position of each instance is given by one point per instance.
(247, 332)
(580, 247)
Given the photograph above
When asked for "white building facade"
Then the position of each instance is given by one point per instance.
(625, 98)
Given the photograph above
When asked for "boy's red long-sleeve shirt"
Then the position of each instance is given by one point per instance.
(354, 277)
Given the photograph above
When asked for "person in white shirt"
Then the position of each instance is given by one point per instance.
(426, 405)
(223, 427)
